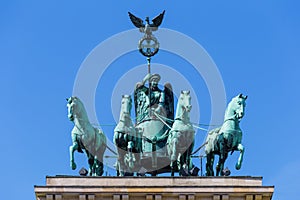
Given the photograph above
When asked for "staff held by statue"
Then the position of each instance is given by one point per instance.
(148, 45)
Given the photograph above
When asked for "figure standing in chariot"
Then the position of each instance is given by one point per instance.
(153, 99)
(154, 110)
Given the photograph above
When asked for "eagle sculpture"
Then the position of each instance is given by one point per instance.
(147, 28)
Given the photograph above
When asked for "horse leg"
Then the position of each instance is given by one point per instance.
(94, 165)
(220, 165)
(241, 148)
(173, 159)
(99, 160)
(121, 156)
(99, 148)
(172, 165)
(180, 163)
(189, 156)
(117, 165)
(90, 162)
(73, 148)
(98, 166)
(222, 151)
(189, 164)
(174, 156)
(184, 166)
(209, 164)
(185, 162)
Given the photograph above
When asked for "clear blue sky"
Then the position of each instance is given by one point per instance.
(255, 45)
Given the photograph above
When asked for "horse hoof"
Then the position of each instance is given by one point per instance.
(237, 166)
(73, 166)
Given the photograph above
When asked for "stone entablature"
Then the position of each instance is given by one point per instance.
(153, 188)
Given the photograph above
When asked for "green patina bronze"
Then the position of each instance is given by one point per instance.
(85, 137)
(154, 137)
(148, 45)
(226, 138)
(127, 141)
(156, 142)
(181, 136)
(154, 109)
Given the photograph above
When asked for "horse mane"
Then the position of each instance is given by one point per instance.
(233, 100)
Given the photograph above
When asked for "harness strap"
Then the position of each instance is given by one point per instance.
(111, 150)
(199, 148)
(162, 120)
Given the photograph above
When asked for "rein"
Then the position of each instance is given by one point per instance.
(158, 116)
(195, 125)
(233, 118)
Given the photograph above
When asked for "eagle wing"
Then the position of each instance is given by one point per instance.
(137, 22)
(157, 21)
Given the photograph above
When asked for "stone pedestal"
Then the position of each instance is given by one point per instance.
(153, 188)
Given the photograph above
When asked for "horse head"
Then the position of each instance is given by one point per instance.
(70, 106)
(126, 104)
(236, 108)
(74, 107)
(185, 101)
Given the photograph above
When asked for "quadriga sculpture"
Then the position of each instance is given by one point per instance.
(181, 136)
(227, 138)
(85, 137)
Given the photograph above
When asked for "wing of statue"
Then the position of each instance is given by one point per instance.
(136, 99)
(137, 22)
(169, 102)
(157, 21)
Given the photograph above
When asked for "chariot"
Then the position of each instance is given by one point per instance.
(147, 145)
